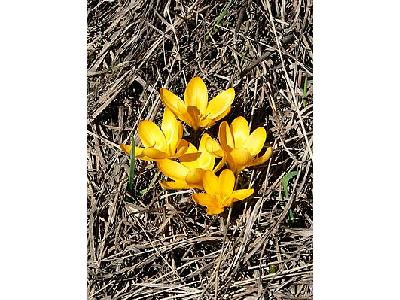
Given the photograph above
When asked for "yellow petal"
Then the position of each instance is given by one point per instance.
(196, 94)
(240, 130)
(222, 115)
(172, 101)
(187, 158)
(241, 194)
(213, 208)
(256, 141)
(190, 155)
(181, 148)
(194, 113)
(126, 148)
(203, 199)
(211, 183)
(238, 159)
(151, 136)
(206, 122)
(262, 159)
(187, 118)
(176, 105)
(172, 130)
(213, 147)
(140, 155)
(220, 165)
(139, 151)
(225, 137)
(206, 161)
(153, 153)
(219, 104)
(174, 185)
(226, 182)
(195, 178)
(203, 159)
(172, 169)
(203, 141)
(191, 148)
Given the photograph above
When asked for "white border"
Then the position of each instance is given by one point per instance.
(356, 229)
(43, 150)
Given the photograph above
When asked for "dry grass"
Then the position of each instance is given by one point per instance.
(159, 245)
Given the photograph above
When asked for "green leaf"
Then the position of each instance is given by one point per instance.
(305, 93)
(131, 165)
(272, 269)
(285, 182)
(150, 186)
(290, 216)
(218, 20)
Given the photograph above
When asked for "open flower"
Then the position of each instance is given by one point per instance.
(238, 147)
(219, 192)
(159, 143)
(189, 172)
(195, 110)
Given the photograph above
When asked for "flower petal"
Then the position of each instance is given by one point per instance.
(196, 94)
(181, 148)
(190, 155)
(188, 158)
(211, 183)
(226, 182)
(225, 137)
(172, 169)
(194, 113)
(213, 147)
(203, 199)
(172, 101)
(238, 159)
(172, 130)
(206, 122)
(151, 136)
(206, 161)
(139, 151)
(153, 154)
(195, 178)
(174, 185)
(240, 130)
(213, 208)
(219, 104)
(126, 148)
(222, 115)
(262, 159)
(220, 165)
(241, 194)
(256, 141)
(140, 155)
(176, 105)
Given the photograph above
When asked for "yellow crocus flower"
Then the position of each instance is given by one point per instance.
(159, 143)
(196, 110)
(238, 147)
(220, 192)
(188, 173)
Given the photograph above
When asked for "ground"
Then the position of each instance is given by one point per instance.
(158, 244)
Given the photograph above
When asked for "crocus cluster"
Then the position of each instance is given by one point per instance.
(191, 167)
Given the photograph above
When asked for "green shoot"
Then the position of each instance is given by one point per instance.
(305, 93)
(285, 182)
(151, 185)
(218, 20)
(131, 165)
(285, 185)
